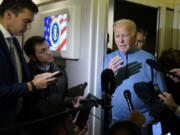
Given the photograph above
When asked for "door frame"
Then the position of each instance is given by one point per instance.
(160, 31)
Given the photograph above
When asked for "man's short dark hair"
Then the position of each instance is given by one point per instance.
(140, 30)
(17, 6)
(29, 46)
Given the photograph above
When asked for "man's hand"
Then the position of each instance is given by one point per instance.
(126, 71)
(115, 63)
(41, 81)
(137, 118)
(176, 71)
(168, 100)
(76, 101)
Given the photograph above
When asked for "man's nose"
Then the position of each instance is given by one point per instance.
(121, 39)
(49, 51)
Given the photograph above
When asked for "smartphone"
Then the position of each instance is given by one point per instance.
(57, 75)
(156, 128)
(157, 90)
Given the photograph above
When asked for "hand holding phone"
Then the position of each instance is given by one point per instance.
(57, 74)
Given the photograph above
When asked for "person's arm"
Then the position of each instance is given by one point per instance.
(137, 117)
(13, 90)
(169, 101)
(41, 81)
(115, 63)
(176, 71)
(21, 89)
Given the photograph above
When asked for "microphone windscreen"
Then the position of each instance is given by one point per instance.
(153, 64)
(144, 91)
(107, 80)
(127, 94)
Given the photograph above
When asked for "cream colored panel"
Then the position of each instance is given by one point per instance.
(155, 3)
(176, 27)
(162, 20)
(168, 29)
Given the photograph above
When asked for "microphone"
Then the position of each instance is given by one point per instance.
(107, 81)
(127, 96)
(91, 100)
(108, 88)
(156, 66)
(153, 64)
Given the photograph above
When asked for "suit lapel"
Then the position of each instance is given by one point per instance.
(3, 45)
(5, 48)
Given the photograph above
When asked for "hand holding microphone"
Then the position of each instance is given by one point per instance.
(174, 73)
(135, 116)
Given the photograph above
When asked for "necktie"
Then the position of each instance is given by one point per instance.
(12, 52)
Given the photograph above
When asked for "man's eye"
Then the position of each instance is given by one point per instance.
(125, 35)
(27, 21)
(116, 36)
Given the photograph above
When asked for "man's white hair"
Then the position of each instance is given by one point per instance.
(121, 21)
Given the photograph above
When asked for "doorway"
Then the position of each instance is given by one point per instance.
(145, 17)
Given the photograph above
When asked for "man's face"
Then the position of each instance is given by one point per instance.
(124, 37)
(139, 40)
(17, 25)
(42, 53)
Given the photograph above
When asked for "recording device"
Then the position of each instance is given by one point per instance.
(108, 88)
(156, 66)
(85, 108)
(127, 96)
(157, 90)
(107, 81)
(77, 90)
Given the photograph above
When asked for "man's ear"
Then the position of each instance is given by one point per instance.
(8, 14)
(32, 57)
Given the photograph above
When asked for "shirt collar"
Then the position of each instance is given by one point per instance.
(45, 69)
(5, 33)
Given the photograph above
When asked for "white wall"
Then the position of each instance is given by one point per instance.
(92, 47)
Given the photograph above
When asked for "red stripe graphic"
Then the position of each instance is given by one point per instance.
(61, 45)
(63, 30)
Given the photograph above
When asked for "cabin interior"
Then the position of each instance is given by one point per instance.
(93, 20)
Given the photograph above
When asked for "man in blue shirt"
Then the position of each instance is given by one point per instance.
(127, 53)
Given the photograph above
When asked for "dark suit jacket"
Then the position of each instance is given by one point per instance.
(10, 89)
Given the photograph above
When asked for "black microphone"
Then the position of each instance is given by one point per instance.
(127, 96)
(91, 99)
(107, 81)
(108, 88)
(156, 66)
(153, 64)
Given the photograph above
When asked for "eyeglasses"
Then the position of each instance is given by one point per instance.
(44, 50)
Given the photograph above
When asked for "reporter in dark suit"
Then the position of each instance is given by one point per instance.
(15, 18)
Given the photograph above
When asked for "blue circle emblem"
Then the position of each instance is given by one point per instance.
(55, 32)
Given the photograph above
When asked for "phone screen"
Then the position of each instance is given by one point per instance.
(156, 128)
